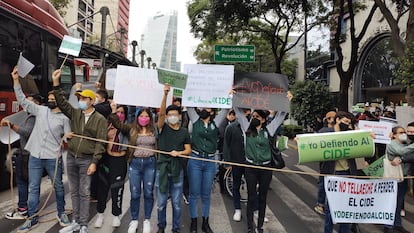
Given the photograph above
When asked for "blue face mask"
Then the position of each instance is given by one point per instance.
(83, 105)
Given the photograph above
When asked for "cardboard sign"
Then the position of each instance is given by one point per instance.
(208, 86)
(376, 168)
(335, 145)
(381, 130)
(266, 91)
(138, 87)
(173, 78)
(70, 45)
(361, 201)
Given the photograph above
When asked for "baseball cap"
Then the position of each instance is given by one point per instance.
(87, 94)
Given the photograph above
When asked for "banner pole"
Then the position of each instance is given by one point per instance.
(63, 61)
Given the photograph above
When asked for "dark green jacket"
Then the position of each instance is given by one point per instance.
(96, 127)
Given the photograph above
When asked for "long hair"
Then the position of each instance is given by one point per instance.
(149, 128)
(252, 130)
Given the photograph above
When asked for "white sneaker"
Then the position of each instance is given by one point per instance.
(74, 226)
(116, 222)
(99, 220)
(237, 215)
(256, 215)
(133, 225)
(83, 229)
(147, 226)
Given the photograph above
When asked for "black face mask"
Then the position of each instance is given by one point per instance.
(204, 114)
(411, 137)
(51, 104)
(255, 122)
(343, 126)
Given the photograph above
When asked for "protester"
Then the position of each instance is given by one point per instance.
(112, 169)
(204, 138)
(21, 164)
(142, 163)
(175, 141)
(343, 122)
(83, 154)
(398, 152)
(258, 153)
(329, 121)
(44, 145)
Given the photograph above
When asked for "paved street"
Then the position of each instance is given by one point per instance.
(290, 208)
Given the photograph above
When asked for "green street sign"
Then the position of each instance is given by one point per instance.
(234, 53)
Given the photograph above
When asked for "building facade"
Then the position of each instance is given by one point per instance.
(159, 40)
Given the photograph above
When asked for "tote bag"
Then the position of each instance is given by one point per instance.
(392, 171)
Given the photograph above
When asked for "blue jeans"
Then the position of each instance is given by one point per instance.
(237, 173)
(200, 176)
(36, 167)
(321, 191)
(142, 174)
(175, 191)
(402, 190)
(22, 183)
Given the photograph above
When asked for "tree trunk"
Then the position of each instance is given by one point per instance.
(343, 91)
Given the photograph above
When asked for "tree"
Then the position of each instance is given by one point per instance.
(403, 47)
(311, 102)
(271, 20)
(60, 5)
(343, 8)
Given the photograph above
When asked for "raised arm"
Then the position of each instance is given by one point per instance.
(21, 98)
(161, 117)
(241, 118)
(276, 122)
(61, 101)
(114, 120)
(221, 116)
(192, 114)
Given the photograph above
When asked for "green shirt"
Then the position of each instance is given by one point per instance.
(258, 148)
(204, 137)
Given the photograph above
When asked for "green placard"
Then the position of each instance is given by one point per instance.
(234, 53)
(177, 92)
(173, 78)
(335, 146)
(376, 168)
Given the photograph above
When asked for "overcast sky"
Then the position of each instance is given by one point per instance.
(141, 10)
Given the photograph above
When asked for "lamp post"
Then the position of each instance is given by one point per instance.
(142, 53)
(154, 65)
(134, 50)
(149, 59)
(260, 62)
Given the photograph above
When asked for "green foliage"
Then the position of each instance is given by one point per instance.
(405, 71)
(291, 131)
(310, 101)
(60, 5)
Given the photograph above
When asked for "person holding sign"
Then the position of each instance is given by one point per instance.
(83, 154)
(174, 141)
(343, 122)
(142, 163)
(398, 152)
(44, 145)
(204, 142)
(258, 152)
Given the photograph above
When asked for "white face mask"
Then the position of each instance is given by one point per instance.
(403, 137)
(173, 120)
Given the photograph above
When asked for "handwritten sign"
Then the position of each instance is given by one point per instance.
(381, 130)
(376, 168)
(173, 78)
(138, 87)
(110, 78)
(335, 146)
(361, 201)
(24, 66)
(70, 45)
(208, 86)
(266, 91)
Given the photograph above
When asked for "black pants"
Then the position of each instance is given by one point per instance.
(111, 176)
(262, 178)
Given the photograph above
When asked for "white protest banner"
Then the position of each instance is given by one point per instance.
(360, 200)
(381, 130)
(24, 66)
(208, 86)
(17, 119)
(70, 45)
(139, 87)
(110, 78)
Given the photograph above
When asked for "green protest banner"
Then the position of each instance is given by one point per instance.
(173, 78)
(335, 146)
(376, 168)
(177, 93)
